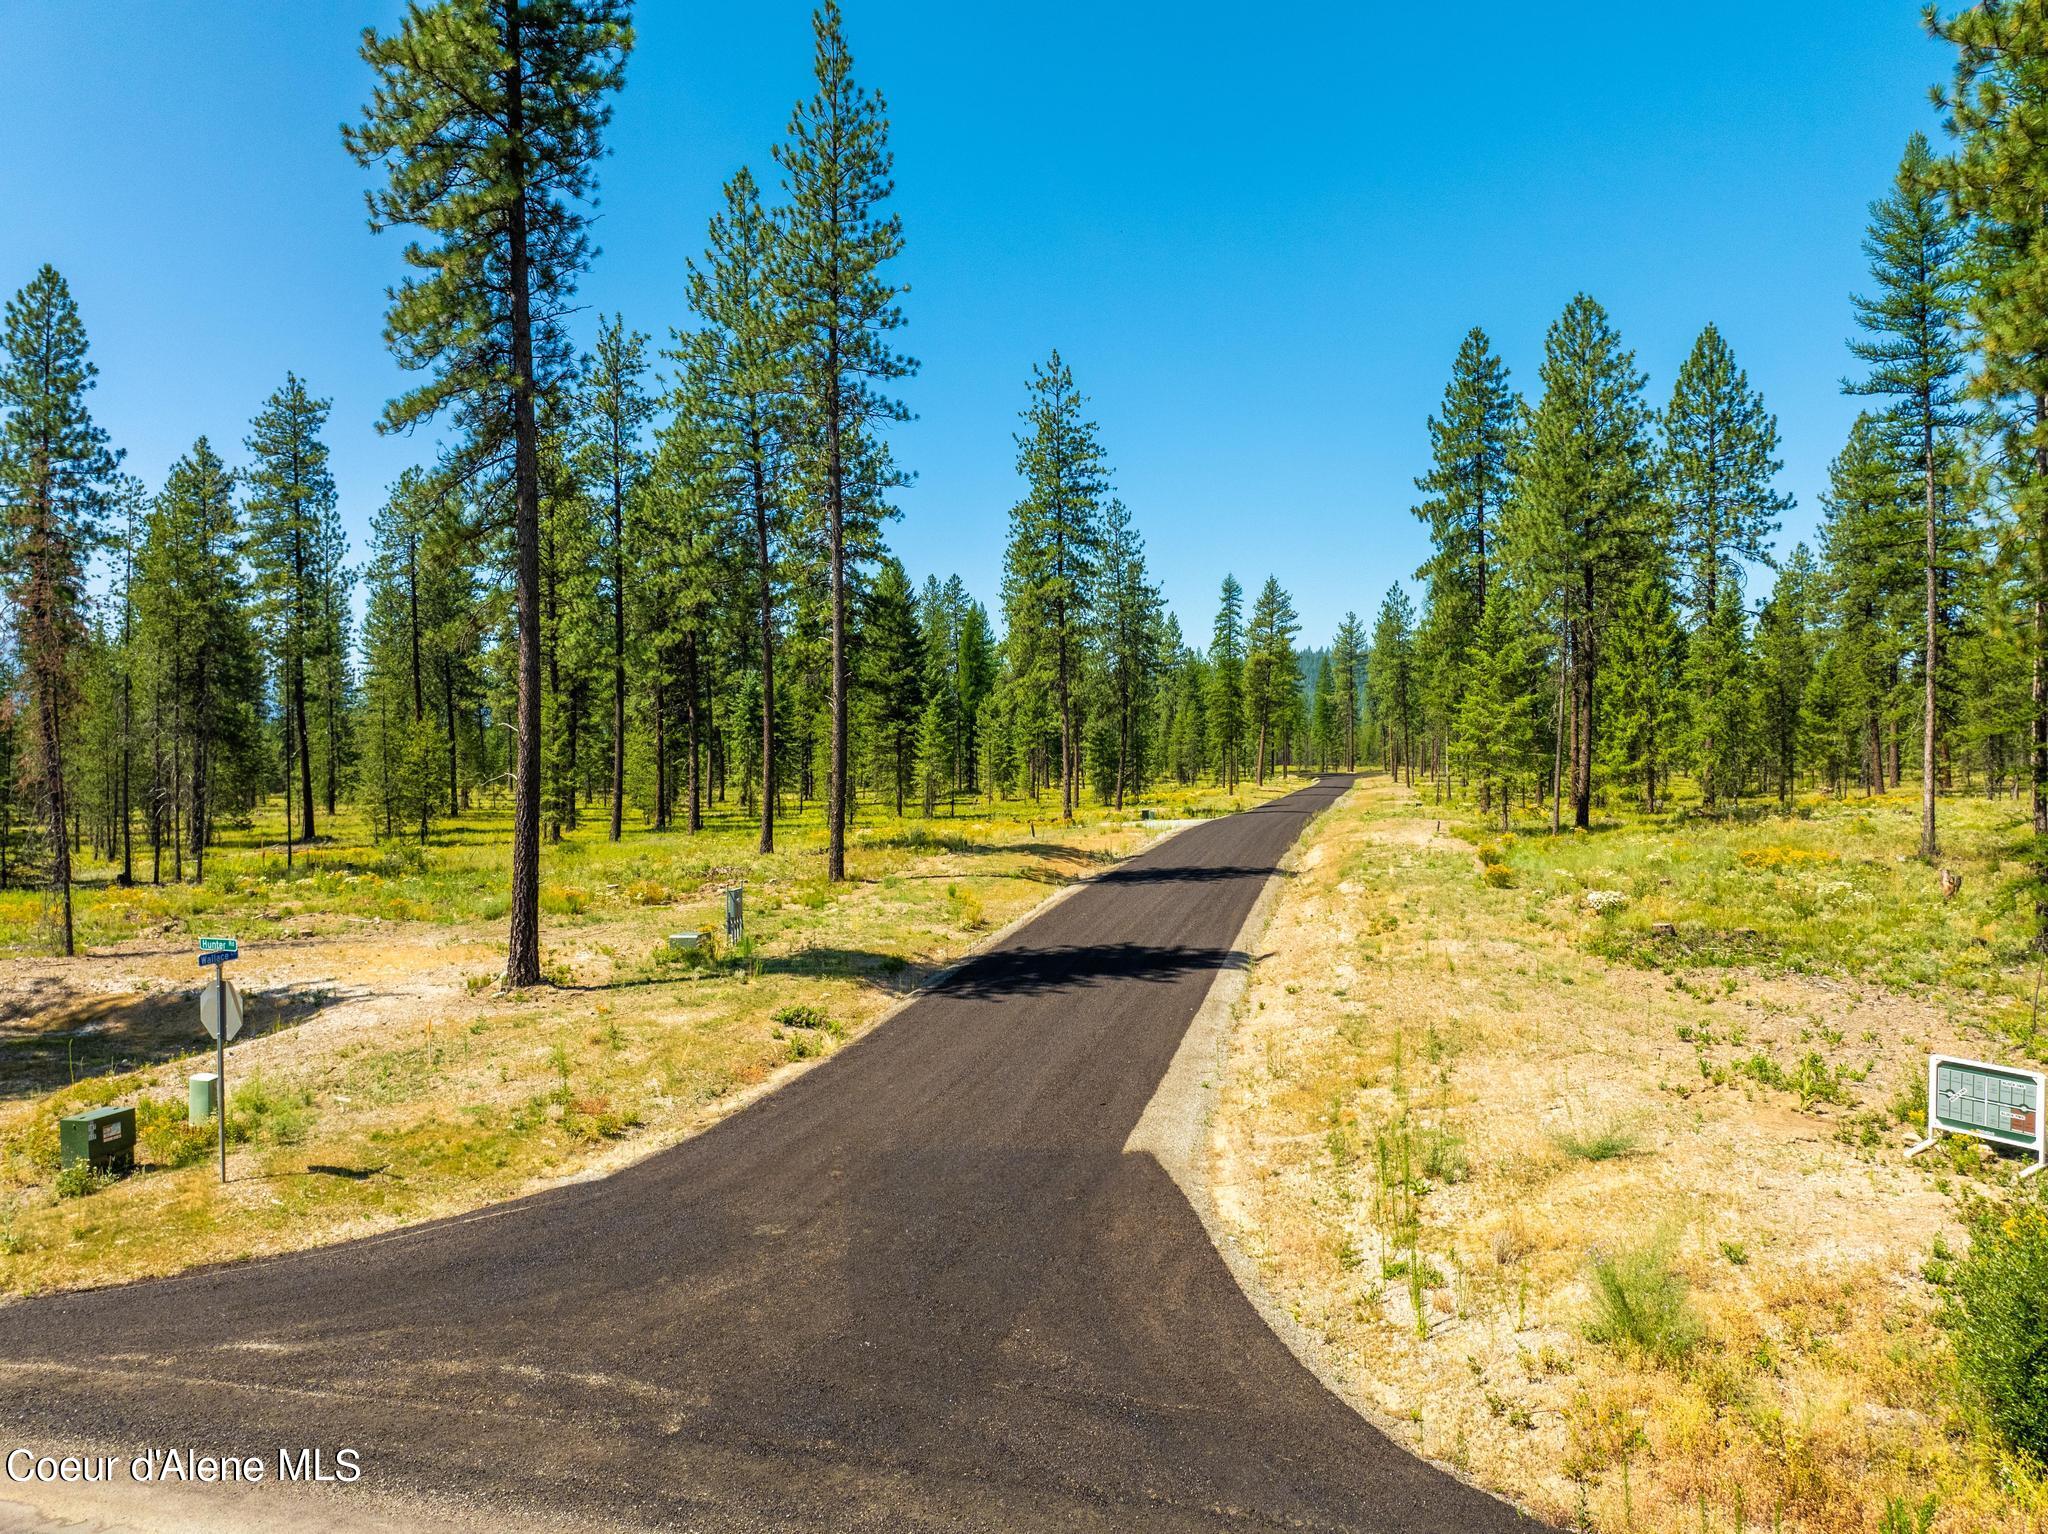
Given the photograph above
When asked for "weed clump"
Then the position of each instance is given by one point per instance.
(259, 1111)
(81, 1179)
(1608, 1144)
(1640, 1304)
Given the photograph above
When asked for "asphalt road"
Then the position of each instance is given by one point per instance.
(922, 1287)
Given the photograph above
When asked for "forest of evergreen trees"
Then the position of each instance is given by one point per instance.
(662, 561)
(644, 579)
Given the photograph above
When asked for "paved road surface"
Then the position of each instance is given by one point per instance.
(920, 1288)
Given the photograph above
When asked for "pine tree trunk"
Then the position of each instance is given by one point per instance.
(617, 825)
(835, 494)
(1928, 846)
(305, 747)
(522, 949)
(761, 555)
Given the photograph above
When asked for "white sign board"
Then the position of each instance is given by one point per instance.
(211, 1001)
(1998, 1103)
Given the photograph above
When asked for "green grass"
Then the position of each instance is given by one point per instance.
(1822, 886)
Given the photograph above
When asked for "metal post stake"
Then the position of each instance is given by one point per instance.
(220, 1059)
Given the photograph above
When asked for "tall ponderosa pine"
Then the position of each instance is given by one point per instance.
(616, 410)
(744, 364)
(1580, 521)
(488, 117)
(1914, 348)
(1997, 180)
(293, 518)
(842, 311)
(1055, 549)
(54, 472)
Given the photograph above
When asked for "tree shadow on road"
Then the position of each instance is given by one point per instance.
(1189, 874)
(1013, 972)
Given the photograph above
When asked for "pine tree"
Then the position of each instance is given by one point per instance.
(193, 622)
(1579, 525)
(1995, 182)
(1717, 677)
(1870, 545)
(293, 517)
(488, 117)
(1347, 666)
(1914, 350)
(1392, 682)
(1272, 678)
(1471, 439)
(616, 412)
(1784, 665)
(55, 471)
(934, 751)
(1226, 685)
(1054, 551)
(892, 676)
(842, 312)
(1127, 608)
(745, 365)
(1642, 686)
(1494, 735)
(1715, 473)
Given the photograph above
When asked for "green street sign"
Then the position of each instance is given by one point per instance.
(1988, 1102)
(217, 945)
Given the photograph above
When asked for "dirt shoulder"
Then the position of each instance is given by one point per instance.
(1446, 1128)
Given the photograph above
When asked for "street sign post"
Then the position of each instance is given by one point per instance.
(1988, 1102)
(223, 1020)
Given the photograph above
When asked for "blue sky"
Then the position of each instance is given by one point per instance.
(1257, 233)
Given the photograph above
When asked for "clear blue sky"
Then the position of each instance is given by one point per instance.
(1256, 232)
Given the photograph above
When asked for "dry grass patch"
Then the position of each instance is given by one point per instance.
(1634, 1245)
(385, 1077)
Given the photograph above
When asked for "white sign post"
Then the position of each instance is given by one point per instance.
(222, 1018)
(1989, 1102)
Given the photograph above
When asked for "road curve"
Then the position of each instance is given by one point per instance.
(922, 1287)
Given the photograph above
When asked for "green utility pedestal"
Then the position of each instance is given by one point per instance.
(205, 1099)
(105, 1137)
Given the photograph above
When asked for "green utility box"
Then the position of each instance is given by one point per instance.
(204, 1102)
(105, 1137)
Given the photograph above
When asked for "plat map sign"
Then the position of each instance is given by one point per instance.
(1988, 1102)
